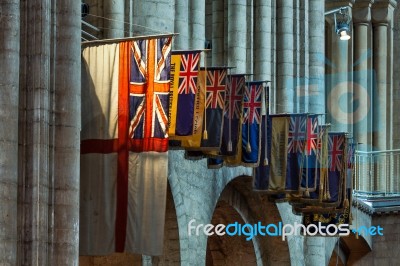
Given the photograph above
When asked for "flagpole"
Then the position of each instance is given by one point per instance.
(266, 96)
(229, 81)
(133, 38)
(205, 133)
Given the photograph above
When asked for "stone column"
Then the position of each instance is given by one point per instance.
(338, 79)
(285, 57)
(382, 14)
(218, 32)
(181, 25)
(128, 18)
(67, 112)
(9, 83)
(316, 38)
(196, 24)
(114, 11)
(262, 40)
(363, 78)
(396, 78)
(314, 250)
(34, 132)
(237, 35)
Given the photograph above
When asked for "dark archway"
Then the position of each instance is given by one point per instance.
(251, 207)
(229, 250)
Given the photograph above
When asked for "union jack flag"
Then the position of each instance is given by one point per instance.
(215, 91)
(312, 135)
(188, 73)
(297, 133)
(336, 148)
(351, 148)
(234, 96)
(252, 102)
(149, 94)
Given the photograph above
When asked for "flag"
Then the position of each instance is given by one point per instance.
(229, 152)
(193, 141)
(278, 163)
(336, 210)
(337, 166)
(232, 113)
(261, 172)
(287, 148)
(124, 144)
(309, 164)
(184, 73)
(251, 123)
(214, 107)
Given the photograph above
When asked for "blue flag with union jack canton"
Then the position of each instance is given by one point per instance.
(261, 172)
(187, 88)
(214, 107)
(251, 125)
(232, 115)
(337, 164)
(296, 146)
(309, 160)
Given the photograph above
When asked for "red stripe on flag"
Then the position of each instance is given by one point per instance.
(123, 153)
(149, 144)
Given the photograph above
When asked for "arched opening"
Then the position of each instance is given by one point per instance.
(229, 250)
(349, 250)
(238, 202)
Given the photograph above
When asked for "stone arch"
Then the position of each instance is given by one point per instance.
(228, 250)
(253, 207)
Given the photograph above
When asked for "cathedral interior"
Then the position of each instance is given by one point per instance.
(311, 66)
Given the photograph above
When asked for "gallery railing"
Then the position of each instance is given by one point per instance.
(377, 173)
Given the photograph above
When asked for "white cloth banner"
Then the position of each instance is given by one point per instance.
(116, 214)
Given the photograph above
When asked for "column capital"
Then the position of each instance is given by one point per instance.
(333, 4)
(382, 11)
(362, 11)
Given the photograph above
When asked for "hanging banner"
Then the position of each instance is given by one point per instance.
(254, 96)
(214, 107)
(193, 141)
(184, 73)
(261, 173)
(279, 140)
(124, 144)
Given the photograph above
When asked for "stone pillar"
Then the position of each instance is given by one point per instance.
(316, 38)
(67, 111)
(382, 14)
(237, 35)
(218, 32)
(34, 132)
(114, 11)
(9, 83)
(262, 40)
(196, 24)
(301, 56)
(128, 18)
(181, 25)
(338, 79)
(363, 75)
(314, 251)
(285, 57)
(396, 79)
